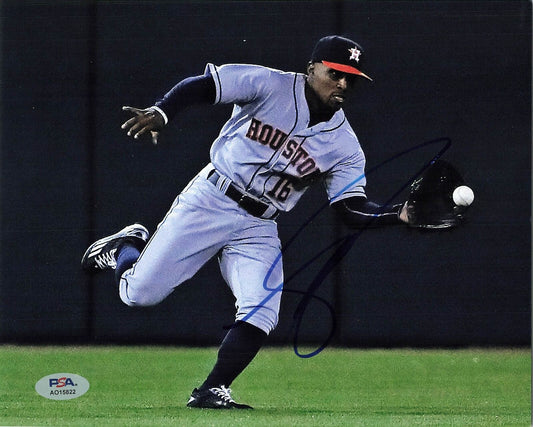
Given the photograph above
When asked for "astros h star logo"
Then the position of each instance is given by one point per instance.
(354, 53)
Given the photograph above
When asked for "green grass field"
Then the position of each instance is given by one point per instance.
(149, 386)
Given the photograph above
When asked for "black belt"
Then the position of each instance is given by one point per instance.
(249, 204)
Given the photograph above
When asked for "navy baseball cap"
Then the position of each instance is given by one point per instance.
(339, 53)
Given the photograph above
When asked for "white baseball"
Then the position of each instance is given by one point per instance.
(463, 196)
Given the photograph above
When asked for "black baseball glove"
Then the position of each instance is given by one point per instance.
(430, 204)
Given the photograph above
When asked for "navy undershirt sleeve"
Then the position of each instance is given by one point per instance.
(360, 212)
(188, 92)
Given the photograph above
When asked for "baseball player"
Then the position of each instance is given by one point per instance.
(286, 132)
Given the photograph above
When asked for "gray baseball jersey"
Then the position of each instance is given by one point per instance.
(266, 147)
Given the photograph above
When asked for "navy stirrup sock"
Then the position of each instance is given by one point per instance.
(126, 256)
(237, 350)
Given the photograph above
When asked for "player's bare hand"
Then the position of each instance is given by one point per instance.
(144, 120)
(404, 215)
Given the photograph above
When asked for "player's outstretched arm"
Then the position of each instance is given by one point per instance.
(360, 212)
(190, 91)
(144, 120)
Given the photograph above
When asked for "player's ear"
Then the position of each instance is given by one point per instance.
(310, 67)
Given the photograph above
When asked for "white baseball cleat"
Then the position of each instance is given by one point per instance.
(101, 254)
(214, 398)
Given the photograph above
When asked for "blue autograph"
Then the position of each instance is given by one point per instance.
(341, 247)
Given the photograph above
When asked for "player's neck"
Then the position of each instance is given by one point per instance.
(317, 111)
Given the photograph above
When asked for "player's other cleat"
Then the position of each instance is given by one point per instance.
(101, 254)
(214, 398)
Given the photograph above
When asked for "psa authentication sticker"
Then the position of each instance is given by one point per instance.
(62, 386)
